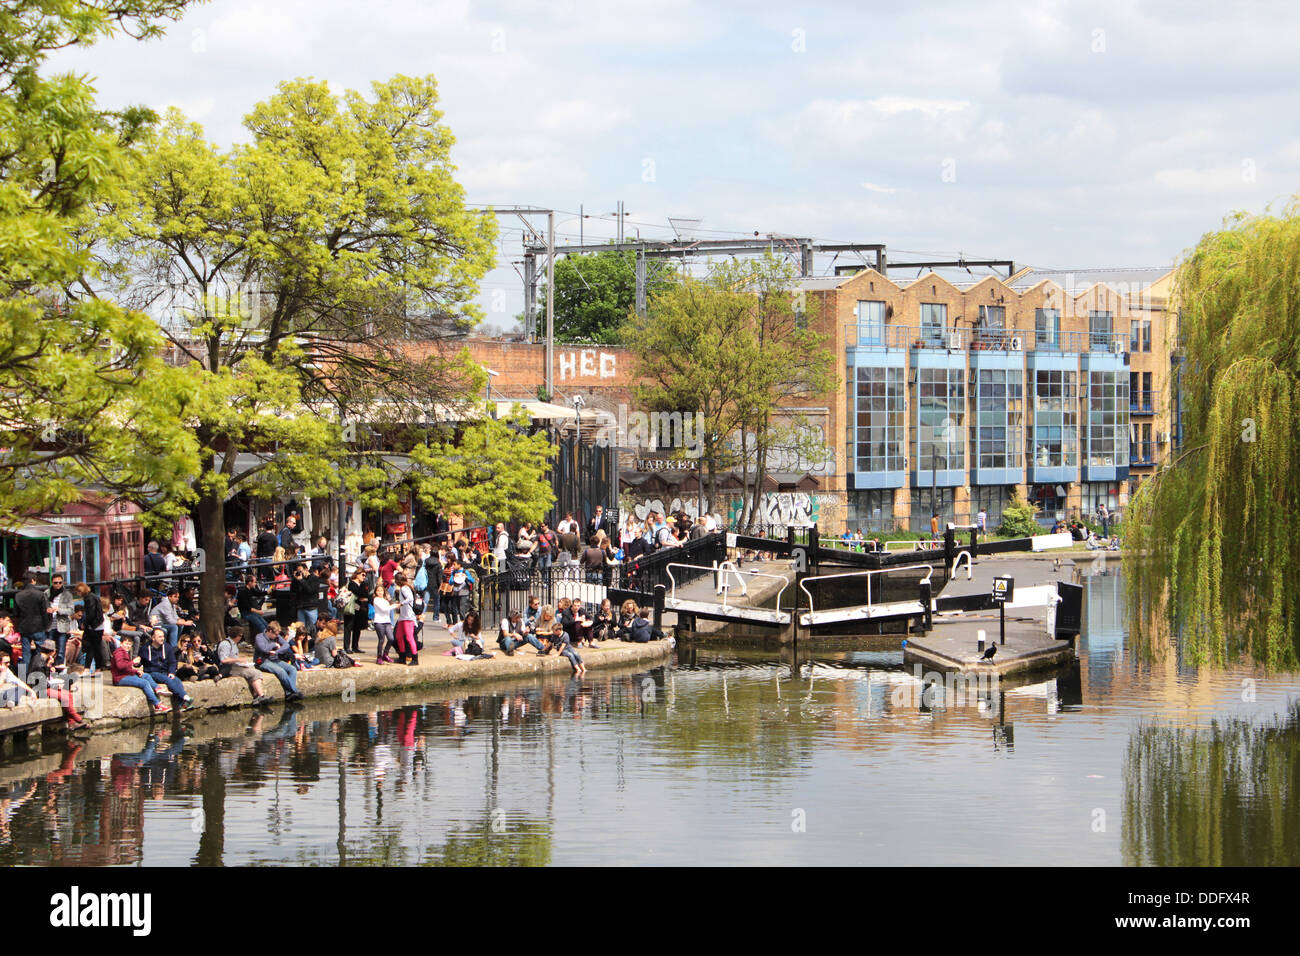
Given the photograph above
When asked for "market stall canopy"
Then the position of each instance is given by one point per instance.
(40, 529)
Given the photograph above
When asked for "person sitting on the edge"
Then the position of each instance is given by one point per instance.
(643, 632)
(12, 687)
(514, 633)
(564, 645)
(626, 616)
(271, 648)
(126, 674)
(52, 684)
(196, 661)
(232, 664)
(158, 660)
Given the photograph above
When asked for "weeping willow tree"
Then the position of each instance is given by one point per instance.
(1213, 538)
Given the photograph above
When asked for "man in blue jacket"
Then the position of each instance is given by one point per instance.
(158, 661)
(271, 647)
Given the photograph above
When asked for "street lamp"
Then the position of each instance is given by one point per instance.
(578, 402)
(491, 375)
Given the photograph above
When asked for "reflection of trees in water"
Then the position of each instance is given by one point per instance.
(767, 724)
(89, 813)
(511, 843)
(1226, 795)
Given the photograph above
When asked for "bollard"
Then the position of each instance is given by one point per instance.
(661, 592)
(979, 638)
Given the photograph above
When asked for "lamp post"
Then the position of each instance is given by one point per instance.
(578, 402)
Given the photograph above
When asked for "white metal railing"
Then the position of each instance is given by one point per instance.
(723, 576)
(803, 585)
(672, 594)
(956, 565)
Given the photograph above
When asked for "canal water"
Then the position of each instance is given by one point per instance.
(728, 755)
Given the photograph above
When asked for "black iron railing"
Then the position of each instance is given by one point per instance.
(647, 571)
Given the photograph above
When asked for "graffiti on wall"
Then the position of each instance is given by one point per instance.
(587, 363)
(783, 509)
(671, 506)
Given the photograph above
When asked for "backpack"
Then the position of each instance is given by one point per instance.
(341, 660)
(421, 580)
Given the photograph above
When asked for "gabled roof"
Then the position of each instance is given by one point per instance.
(933, 278)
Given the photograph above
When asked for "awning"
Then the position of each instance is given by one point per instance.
(536, 410)
(40, 529)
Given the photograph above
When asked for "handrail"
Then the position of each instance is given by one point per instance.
(956, 565)
(721, 585)
(755, 574)
(803, 585)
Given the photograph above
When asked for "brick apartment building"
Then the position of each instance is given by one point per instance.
(954, 393)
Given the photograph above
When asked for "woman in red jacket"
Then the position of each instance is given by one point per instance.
(127, 674)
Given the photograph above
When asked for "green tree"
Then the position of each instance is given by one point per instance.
(1020, 518)
(595, 292)
(689, 358)
(1210, 549)
(491, 470)
(736, 348)
(784, 361)
(310, 280)
(85, 400)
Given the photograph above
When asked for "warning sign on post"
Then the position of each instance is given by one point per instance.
(1003, 589)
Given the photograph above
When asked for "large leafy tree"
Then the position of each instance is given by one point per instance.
(785, 360)
(595, 292)
(687, 361)
(309, 280)
(85, 400)
(1213, 536)
(735, 348)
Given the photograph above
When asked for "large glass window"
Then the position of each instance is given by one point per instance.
(1100, 327)
(1056, 419)
(871, 323)
(1047, 327)
(940, 418)
(934, 324)
(1050, 500)
(1107, 418)
(997, 418)
(879, 419)
(1097, 492)
(991, 499)
(871, 510)
(926, 502)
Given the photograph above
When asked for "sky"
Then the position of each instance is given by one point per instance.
(1057, 134)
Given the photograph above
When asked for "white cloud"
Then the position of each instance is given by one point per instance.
(1058, 150)
(891, 105)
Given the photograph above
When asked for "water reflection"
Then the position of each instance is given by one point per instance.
(703, 759)
(1223, 795)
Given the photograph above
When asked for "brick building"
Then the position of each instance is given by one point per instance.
(954, 393)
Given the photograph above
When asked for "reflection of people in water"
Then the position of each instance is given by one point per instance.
(9, 805)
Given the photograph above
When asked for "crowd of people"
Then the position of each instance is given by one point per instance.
(287, 611)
